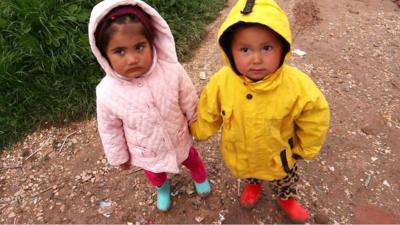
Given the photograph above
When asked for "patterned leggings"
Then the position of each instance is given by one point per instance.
(285, 187)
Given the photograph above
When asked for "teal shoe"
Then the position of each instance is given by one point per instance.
(164, 197)
(203, 189)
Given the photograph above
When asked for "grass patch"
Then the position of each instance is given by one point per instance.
(187, 20)
(48, 74)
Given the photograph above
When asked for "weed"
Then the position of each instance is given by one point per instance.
(47, 71)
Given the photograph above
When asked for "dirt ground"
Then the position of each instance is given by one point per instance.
(352, 51)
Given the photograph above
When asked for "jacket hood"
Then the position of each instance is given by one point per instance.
(163, 43)
(265, 12)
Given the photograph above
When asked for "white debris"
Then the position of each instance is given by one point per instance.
(105, 203)
(202, 75)
(367, 180)
(106, 207)
(199, 219)
(175, 193)
(299, 52)
(386, 183)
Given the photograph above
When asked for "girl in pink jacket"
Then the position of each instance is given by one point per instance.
(146, 100)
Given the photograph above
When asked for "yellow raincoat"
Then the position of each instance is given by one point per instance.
(266, 125)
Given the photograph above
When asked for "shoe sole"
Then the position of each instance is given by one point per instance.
(250, 206)
(293, 220)
(204, 195)
(164, 211)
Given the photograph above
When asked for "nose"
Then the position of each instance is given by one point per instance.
(131, 58)
(257, 57)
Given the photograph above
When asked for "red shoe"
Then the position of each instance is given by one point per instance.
(293, 209)
(250, 195)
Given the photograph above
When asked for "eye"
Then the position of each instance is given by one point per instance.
(267, 48)
(244, 50)
(140, 47)
(119, 51)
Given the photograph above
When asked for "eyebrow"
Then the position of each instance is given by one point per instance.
(123, 47)
(241, 44)
(141, 43)
(118, 48)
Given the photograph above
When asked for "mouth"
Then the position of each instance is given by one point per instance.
(132, 70)
(258, 70)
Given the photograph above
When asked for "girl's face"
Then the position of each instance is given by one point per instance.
(128, 51)
(256, 51)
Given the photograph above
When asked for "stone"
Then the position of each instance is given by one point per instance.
(321, 218)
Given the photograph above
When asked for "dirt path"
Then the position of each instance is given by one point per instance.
(59, 175)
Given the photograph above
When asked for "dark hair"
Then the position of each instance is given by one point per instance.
(226, 41)
(118, 16)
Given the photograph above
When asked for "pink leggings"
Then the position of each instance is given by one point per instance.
(193, 163)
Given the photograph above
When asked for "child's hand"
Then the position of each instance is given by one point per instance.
(125, 166)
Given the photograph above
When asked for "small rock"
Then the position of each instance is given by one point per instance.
(199, 219)
(374, 124)
(386, 183)
(189, 191)
(86, 178)
(11, 215)
(175, 193)
(150, 201)
(93, 199)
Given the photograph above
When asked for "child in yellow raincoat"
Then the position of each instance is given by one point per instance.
(271, 114)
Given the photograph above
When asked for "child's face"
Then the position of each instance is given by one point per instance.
(128, 51)
(256, 51)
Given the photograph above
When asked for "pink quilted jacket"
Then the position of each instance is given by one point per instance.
(145, 119)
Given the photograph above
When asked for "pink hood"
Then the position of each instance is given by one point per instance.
(145, 119)
(164, 43)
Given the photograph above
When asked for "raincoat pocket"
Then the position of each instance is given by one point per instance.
(226, 114)
(228, 130)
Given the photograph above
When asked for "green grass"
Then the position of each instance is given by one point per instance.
(187, 20)
(48, 74)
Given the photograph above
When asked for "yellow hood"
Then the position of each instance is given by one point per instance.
(265, 125)
(265, 12)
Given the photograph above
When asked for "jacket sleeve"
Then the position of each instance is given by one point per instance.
(188, 98)
(311, 128)
(112, 136)
(209, 118)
